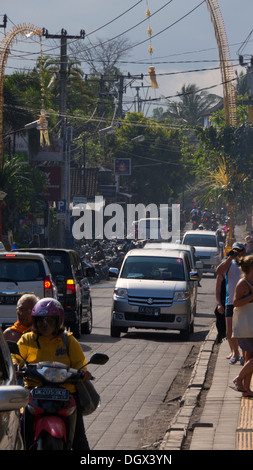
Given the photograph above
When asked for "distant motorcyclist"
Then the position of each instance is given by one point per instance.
(206, 218)
(195, 217)
(206, 214)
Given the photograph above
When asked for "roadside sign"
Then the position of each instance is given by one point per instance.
(61, 205)
(61, 215)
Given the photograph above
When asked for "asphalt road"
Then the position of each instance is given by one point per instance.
(142, 366)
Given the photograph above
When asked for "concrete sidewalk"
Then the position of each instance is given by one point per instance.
(226, 422)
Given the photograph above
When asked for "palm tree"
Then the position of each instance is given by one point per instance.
(192, 104)
(228, 184)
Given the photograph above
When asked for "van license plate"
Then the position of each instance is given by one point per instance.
(150, 310)
(9, 299)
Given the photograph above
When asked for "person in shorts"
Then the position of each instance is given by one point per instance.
(230, 268)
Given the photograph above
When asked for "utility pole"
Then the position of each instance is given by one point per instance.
(4, 22)
(63, 71)
(65, 136)
(249, 77)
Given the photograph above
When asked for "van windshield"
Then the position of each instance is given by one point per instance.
(153, 267)
(200, 240)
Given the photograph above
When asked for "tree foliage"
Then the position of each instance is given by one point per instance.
(157, 164)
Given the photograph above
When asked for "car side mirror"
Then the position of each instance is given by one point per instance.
(113, 272)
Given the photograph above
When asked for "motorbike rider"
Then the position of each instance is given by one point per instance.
(24, 319)
(46, 343)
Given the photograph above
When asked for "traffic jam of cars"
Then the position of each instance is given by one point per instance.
(156, 285)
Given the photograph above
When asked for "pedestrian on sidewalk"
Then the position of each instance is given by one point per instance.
(229, 267)
(220, 294)
(242, 296)
(249, 244)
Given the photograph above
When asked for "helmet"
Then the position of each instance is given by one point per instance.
(48, 307)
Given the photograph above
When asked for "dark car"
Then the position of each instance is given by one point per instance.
(12, 398)
(70, 278)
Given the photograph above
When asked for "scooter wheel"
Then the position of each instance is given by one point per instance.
(47, 442)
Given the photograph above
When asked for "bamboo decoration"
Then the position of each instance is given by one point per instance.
(42, 122)
(5, 49)
(152, 74)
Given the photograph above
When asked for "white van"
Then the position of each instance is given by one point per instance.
(152, 228)
(155, 289)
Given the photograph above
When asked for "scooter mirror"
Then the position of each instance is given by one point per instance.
(13, 347)
(99, 359)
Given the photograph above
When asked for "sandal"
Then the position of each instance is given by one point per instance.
(234, 359)
(237, 387)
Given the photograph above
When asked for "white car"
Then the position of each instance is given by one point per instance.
(207, 248)
(22, 273)
(155, 289)
(195, 263)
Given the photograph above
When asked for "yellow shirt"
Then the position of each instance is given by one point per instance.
(53, 350)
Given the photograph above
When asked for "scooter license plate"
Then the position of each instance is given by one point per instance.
(57, 394)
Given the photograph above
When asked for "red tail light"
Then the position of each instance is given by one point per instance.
(70, 286)
(10, 255)
(48, 287)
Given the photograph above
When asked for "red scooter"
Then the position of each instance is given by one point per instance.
(50, 414)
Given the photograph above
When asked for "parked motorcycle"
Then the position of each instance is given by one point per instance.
(51, 407)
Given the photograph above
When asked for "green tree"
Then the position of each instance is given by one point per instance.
(157, 162)
(191, 105)
(22, 185)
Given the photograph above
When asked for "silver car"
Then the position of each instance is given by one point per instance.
(22, 273)
(196, 265)
(207, 248)
(154, 290)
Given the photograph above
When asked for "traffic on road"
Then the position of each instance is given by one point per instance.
(149, 314)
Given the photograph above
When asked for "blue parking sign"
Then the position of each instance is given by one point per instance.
(61, 205)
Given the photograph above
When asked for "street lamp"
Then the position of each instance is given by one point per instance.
(2, 196)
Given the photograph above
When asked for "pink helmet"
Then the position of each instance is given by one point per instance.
(48, 307)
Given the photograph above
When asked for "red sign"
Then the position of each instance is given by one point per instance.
(53, 183)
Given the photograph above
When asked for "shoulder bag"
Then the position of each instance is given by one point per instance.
(89, 398)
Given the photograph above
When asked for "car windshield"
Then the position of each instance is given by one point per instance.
(154, 267)
(20, 270)
(57, 264)
(200, 240)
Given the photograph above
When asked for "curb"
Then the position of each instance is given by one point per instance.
(177, 429)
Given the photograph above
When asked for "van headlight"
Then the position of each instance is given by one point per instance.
(120, 293)
(180, 295)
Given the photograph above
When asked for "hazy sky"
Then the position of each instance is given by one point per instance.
(182, 41)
